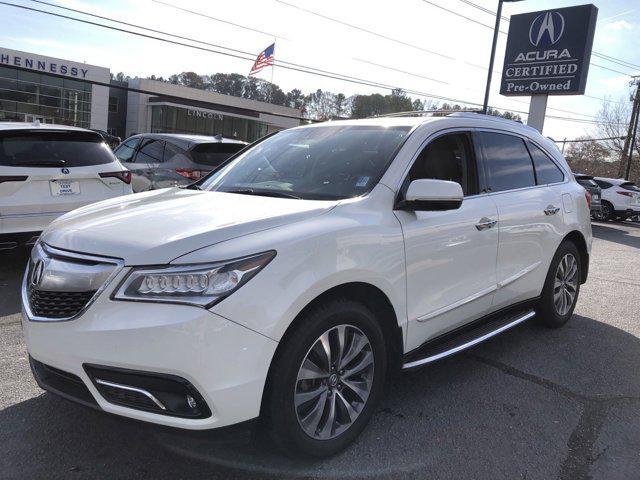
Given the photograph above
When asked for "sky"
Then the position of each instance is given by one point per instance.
(415, 45)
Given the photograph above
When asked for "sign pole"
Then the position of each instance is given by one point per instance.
(537, 111)
(496, 30)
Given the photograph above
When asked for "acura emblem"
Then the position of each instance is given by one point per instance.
(546, 29)
(38, 273)
(65, 171)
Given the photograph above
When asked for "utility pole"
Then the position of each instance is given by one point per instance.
(625, 164)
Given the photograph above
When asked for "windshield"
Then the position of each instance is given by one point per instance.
(319, 163)
(54, 148)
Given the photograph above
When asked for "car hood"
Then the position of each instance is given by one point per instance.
(156, 227)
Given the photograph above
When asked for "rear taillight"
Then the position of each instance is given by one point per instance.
(190, 173)
(13, 178)
(124, 175)
(587, 195)
(626, 194)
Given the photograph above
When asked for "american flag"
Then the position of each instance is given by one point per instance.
(265, 59)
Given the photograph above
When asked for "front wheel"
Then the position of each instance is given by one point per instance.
(326, 381)
(561, 288)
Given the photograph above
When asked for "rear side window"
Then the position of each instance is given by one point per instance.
(602, 184)
(546, 170)
(630, 186)
(587, 183)
(170, 151)
(213, 154)
(125, 152)
(507, 162)
(25, 148)
(152, 151)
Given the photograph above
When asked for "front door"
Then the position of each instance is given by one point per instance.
(450, 255)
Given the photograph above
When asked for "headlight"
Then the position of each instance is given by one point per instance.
(203, 284)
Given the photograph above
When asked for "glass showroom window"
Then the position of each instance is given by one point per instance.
(29, 96)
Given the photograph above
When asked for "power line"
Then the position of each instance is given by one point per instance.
(371, 63)
(303, 69)
(598, 54)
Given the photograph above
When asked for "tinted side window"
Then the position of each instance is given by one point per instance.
(151, 152)
(546, 170)
(448, 157)
(125, 152)
(170, 151)
(507, 162)
(602, 184)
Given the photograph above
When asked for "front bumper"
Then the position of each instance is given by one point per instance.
(226, 363)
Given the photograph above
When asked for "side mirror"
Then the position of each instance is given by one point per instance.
(431, 194)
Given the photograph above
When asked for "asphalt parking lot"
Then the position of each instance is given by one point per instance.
(530, 404)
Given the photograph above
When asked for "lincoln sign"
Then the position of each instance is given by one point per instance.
(548, 52)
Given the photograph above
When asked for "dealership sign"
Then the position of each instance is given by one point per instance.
(548, 52)
(43, 64)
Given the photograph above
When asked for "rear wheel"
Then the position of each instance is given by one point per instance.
(561, 288)
(326, 381)
(607, 212)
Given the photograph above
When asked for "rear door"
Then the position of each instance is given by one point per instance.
(530, 223)
(148, 160)
(49, 172)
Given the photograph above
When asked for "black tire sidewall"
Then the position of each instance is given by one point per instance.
(547, 314)
(282, 420)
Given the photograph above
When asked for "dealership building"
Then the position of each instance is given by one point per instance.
(52, 90)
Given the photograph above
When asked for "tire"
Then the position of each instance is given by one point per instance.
(607, 212)
(555, 310)
(292, 405)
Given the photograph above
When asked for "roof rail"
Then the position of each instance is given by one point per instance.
(423, 113)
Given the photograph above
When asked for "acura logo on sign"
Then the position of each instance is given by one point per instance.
(38, 273)
(65, 171)
(546, 29)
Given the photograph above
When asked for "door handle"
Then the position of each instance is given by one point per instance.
(551, 210)
(485, 223)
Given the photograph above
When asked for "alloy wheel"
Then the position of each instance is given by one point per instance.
(565, 286)
(334, 382)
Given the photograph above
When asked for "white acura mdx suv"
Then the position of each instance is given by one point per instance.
(49, 170)
(292, 282)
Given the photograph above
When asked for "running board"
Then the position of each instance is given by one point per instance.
(446, 345)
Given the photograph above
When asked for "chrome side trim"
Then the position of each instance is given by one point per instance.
(518, 275)
(471, 343)
(51, 252)
(128, 388)
(458, 304)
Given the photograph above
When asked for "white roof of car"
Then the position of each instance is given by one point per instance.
(38, 125)
(615, 181)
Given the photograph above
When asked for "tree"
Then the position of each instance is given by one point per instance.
(613, 120)
(376, 104)
(591, 157)
(227, 83)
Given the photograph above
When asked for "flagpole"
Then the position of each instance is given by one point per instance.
(273, 65)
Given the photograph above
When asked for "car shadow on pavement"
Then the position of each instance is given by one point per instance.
(517, 406)
(616, 235)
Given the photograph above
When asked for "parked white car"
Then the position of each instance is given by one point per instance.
(620, 198)
(294, 281)
(48, 170)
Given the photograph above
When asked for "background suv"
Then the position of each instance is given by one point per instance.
(294, 281)
(159, 160)
(620, 198)
(48, 170)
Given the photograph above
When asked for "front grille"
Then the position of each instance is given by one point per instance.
(57, 304)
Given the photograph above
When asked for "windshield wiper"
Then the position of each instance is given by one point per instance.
(262, 193)
(41, 163)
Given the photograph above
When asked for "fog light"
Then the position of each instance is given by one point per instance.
(191, 401)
